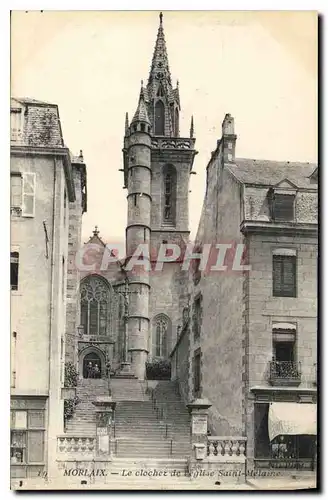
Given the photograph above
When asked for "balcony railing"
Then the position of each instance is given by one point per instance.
(285, 373)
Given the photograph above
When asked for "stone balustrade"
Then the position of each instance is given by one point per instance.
(176, 143)
(226, 448)
(76, 445)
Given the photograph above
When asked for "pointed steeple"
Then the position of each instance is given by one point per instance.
(141, 115)
(159, 71)
(192, 127)
(126, 123)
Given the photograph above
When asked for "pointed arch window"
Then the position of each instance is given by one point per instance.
(161, 327)
(160, 91)
(95, 301)
(159, 118)
(169, 194)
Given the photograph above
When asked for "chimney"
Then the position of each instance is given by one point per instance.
(228, 139)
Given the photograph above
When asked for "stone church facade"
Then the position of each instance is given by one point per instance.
(101, 327)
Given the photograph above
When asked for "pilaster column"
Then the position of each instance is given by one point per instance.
(198, 409)
(105, 408)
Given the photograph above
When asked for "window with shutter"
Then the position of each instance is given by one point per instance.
(283, 207)
(28, 205)
(16, 191)
(14, 262)
(284, 276)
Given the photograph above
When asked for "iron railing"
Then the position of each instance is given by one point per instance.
(285, 371)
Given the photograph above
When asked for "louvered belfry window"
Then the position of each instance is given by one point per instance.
(159, 118)
(283, 207)
(284, 275)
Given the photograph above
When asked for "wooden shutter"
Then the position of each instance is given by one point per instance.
(284, 276)
(28, 205)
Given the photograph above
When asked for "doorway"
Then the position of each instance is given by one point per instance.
(92, 366)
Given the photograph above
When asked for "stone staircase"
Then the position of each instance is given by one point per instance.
(149, 425)
(83, 422)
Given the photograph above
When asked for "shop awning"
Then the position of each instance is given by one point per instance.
(292, 418)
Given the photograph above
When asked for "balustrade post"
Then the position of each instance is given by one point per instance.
(198, 427)
(105, 408)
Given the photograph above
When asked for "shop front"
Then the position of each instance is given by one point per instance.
(285, 434)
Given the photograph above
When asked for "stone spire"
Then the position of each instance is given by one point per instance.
(141, 115)
(159, 71)
(192, 127)
(126, 123)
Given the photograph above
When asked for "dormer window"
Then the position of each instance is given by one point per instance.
(284, 206)
(16, 123)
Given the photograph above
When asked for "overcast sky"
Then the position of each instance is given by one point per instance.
(261, 67)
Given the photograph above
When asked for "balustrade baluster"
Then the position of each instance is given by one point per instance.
(226, 447)
(211, 449)
(234, 448)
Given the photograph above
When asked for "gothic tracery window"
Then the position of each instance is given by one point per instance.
(94, 296)
(161, 327)
(159, 118)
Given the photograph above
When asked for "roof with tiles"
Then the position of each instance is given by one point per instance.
(270, 173)
(28, 100)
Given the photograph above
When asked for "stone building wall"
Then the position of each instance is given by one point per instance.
(73, 272)
(30, 307)
(180, 363)
(221, 293)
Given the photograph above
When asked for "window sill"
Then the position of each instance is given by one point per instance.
(17, 293)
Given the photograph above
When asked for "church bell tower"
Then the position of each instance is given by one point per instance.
(157, 167)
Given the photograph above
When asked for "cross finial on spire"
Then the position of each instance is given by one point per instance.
(95, 231)
(161, 17)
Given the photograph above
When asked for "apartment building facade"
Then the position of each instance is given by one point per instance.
(43, 177)
(248, 341)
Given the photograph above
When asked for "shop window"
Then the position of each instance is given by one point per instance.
(27, 440)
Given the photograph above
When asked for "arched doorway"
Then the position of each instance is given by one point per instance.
(91, 366)
(90, 357)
